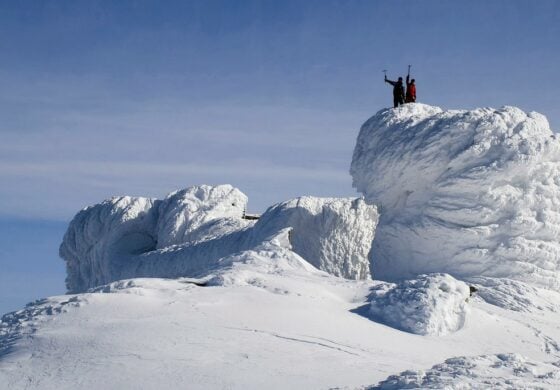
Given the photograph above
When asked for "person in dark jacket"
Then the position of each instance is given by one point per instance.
(398, 91)
(410, 90)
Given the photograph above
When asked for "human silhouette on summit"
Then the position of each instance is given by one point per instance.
(398, 91)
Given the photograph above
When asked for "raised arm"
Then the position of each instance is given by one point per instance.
(407, 79)
(393, 83)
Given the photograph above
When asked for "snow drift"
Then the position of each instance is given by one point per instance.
(188, 232)
(469, 193)
(429, 305)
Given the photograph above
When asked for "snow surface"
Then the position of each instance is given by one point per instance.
(265, 318)
(190, 230)
(469, 193)
(185, 293)
(502, 371)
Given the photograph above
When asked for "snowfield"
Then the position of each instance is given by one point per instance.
(267, 319)
(444, 277)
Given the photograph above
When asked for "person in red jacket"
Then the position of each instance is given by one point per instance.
(410, 90)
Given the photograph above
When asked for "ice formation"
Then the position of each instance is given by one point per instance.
(469, 193)
(129, 237)
(429, 305)
(188, 232)
(191, 215)
(333, 234)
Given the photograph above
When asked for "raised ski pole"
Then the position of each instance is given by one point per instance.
(385, 72)
(409, 70)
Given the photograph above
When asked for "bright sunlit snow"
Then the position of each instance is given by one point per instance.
(443, 276)
(470, 193)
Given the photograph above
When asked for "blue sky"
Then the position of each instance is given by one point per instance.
(101, 98)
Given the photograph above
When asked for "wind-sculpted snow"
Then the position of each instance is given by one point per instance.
(469, 193)
(333, 234)
(429, 305)
(184, 215)
(502, 371)
(190, 231)
(129, 237)
(102, 236)
(515, 295)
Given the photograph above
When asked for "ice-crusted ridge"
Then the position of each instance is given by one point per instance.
(469, 193)
(187, 233)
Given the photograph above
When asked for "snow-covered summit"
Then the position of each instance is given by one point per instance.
(470, 193)
(185, 290)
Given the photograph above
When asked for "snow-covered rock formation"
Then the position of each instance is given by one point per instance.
(129, 237)
(198, 214)
(188, 232)
(469, 193)
(433, 304)
(333, 234)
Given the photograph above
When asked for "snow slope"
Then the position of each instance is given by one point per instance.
(264, 318)
(470, 193)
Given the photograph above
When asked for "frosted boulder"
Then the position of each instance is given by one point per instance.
(127, 237)
(190, 231)
(429, 305)
(470, 193)
(100, 236)
(184, 215)
(333, 234)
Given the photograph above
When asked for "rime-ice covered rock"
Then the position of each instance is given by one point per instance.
(470, 193)
(188, 232)
(129, 237)
(101, 235)
(428, 305)
(184, 215)
(333, 234)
